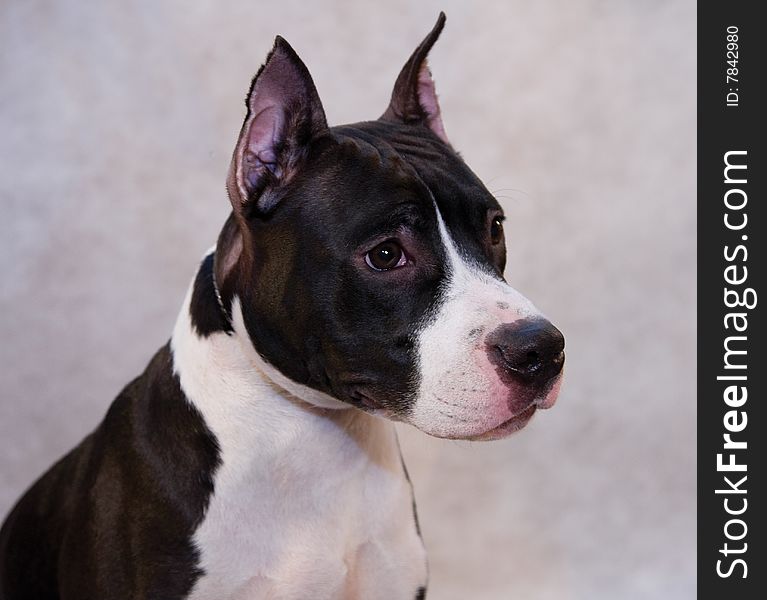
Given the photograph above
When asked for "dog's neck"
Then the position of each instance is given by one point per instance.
(260, 417)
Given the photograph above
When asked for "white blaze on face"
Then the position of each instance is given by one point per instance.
(460, 393)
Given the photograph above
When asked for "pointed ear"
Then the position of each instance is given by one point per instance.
(414, 99)
(284, 115)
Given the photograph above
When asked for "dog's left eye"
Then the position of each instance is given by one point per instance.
(385, 256)
(496, 230)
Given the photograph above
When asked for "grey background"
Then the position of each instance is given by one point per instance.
(116, 125)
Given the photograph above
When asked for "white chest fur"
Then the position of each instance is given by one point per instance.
(308, 502)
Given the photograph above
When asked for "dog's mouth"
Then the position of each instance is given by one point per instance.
(543, 401)
(365, 398)
(508, 427)
(362, 397)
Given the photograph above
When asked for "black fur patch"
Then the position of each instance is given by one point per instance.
(207, 314)
(113, 519)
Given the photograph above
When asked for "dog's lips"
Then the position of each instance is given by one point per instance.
(508, 427)
(361, 397)
(544, 401)
(548, 399)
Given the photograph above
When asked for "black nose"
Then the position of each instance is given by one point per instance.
(529, 349)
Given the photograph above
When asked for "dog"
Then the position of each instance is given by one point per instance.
(357, 281)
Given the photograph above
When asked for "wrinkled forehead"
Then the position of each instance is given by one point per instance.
(354, 187)
(378, 168)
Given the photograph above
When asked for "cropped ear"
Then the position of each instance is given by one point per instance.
(414, 99)
(284, 115)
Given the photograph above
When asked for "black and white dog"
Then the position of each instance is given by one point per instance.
(359, 276)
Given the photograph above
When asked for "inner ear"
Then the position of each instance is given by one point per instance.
(414, 98)
(284, 115)
(261, 144)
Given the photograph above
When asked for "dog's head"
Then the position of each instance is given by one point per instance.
(364, 263)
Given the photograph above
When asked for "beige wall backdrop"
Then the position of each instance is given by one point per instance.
(117, 121)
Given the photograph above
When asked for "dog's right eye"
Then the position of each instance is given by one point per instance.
(496, 230)
(385, 256)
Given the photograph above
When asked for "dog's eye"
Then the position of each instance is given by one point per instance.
(385, 256)
(496, 230)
